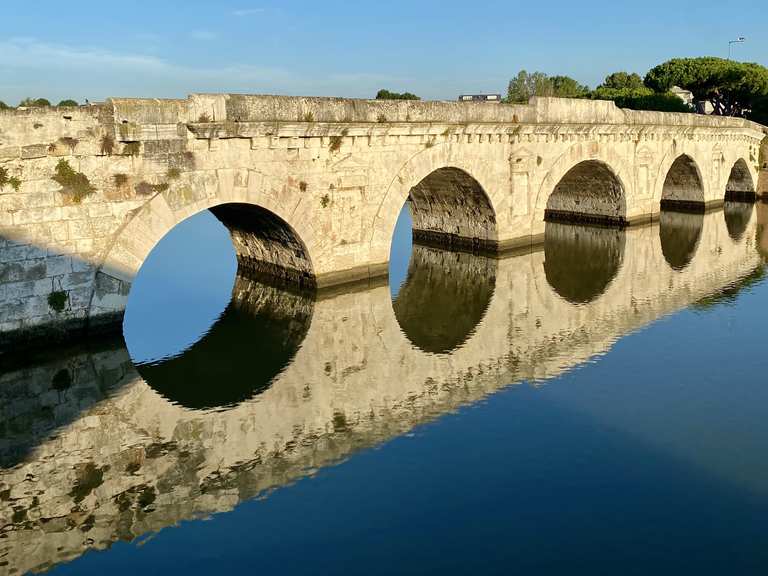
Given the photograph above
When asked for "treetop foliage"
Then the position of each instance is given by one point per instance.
(34, 103)
(526, 85)
(732, 87)
(69, 103)
(387, 95)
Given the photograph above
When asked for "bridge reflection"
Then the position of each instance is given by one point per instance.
(118, 451)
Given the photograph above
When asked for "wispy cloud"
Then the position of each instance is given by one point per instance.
(204, 35)
(247, 11)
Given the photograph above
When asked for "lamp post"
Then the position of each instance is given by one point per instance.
(739, 40)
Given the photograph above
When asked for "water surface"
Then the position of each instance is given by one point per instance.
(594, 405)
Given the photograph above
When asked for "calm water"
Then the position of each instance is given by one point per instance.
(593, 406)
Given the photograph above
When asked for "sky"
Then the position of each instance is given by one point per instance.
(436, 49)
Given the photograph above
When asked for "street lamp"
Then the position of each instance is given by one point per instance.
(739, 40)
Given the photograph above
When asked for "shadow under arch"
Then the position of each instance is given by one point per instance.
(581, 261)
(450, 209)
(737, 216)
(740, 186)
(590, 192)
(683, 189)
(444, 298)
(253, 341)
(680, 233)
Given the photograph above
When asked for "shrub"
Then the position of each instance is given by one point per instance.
(3, 105)
(381, 118)
(204, 118)
(107, 145)
(308, 117)
(387, 95)
(325, 200)
(174, 173)
(72, 182)
(68, 103)
(58, 301)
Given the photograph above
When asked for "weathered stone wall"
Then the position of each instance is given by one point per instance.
(102, 457)
(336, 172)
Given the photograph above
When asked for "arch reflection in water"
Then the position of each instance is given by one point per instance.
(581, 261)
(252, 342)
(680, 233)
(737, 217)
(444, 297)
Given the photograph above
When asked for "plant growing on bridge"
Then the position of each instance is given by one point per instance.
(6, 180)
(120, 180)
(381, 119)
(58, 301)
(335, 143)
(731, 87)
(173, 173)
(132, 148)
(70, 142)
(144, 188)
(325, 200)
(107, 145)
(74, 183)
(308, 117)
(204, 118)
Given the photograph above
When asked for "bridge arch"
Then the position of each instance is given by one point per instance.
(588, 183)
(270, 228)
(741, 184)
(455, 199)
(681, 184)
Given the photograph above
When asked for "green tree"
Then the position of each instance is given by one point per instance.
(34, 102)
(69, 103)
(759, 112)
(526, 85)
(622, 81)
(3, 105)
(387, 95)
(731, 87)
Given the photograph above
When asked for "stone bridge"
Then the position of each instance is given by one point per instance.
(94, 451)
(311, 188)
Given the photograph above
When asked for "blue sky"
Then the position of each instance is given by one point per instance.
(437, 49)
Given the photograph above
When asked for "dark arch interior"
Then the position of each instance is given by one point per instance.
(581, 261)
(683, 189)
(444, 297)
(737, 217)
(588, 193)
(740, 186)
(680, 233)
(252, 342)
(266, 246)
(450, 209)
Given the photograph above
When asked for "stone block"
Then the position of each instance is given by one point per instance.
(34, 151)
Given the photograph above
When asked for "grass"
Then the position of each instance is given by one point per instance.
(381, 119)
(70, 142)
(58, 301)
(308, 117)
(204, 118)
(73, 183)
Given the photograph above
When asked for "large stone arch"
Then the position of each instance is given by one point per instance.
(271, 227)
(437, 159)
(689, 162)
(740, 184)
(606, 161)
